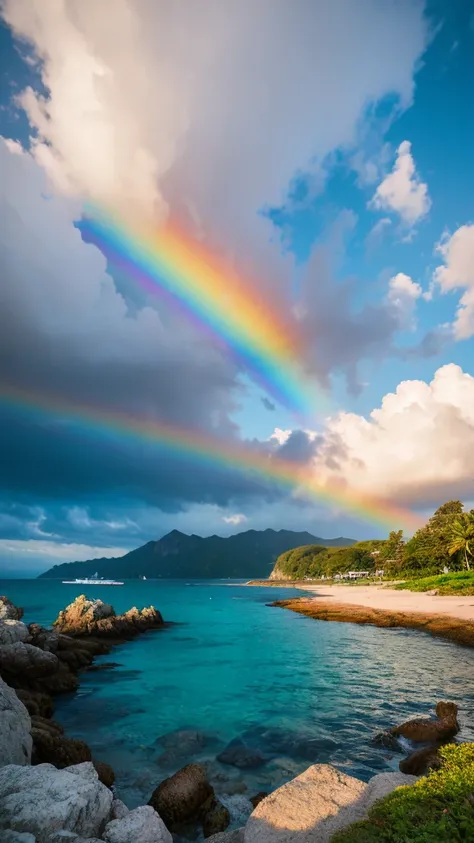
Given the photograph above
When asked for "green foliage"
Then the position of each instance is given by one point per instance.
(438, 808)
(462, 537)
(460, 582)
(315, 561)
(428, 551)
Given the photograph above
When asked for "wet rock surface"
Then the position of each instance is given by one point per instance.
(239, 754)
(423, 730)
(8, 610)
(419, 763)
(15, 725)
(180, 798)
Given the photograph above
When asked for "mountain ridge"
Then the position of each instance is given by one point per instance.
(250, 554)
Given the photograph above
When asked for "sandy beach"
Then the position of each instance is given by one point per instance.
(391, 600)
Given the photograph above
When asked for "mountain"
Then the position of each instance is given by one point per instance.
(251, 554)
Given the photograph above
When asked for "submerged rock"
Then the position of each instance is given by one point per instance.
(93, 617)
(15, 725)
(388, 741)
(56, 800)
(423, 730)
(143, 825)
(182, 743)
(8, 610)
(180, 798)
(239, 754)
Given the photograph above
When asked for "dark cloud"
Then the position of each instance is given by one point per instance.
(268, 404)
(299, 447)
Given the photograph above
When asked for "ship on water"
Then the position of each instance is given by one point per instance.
(95, 580)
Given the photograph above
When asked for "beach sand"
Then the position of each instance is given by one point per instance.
(445, 617)
(391, 600)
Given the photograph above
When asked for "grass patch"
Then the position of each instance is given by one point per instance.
(461, 582)
(438, 808)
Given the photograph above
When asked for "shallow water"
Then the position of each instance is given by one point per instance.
(302, 691)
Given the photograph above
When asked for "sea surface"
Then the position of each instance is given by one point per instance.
(299, 690)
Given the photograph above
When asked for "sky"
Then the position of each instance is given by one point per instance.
(315, 161)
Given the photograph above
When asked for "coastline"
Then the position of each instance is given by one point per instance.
(448, 617)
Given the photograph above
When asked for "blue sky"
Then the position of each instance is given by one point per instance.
(280, 171)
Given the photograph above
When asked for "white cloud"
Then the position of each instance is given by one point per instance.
(20, 557)
(458, 272)
(417, 447)
(377, 232)
(150, 102)
(402, 191)
(403, 293)
(236, 519)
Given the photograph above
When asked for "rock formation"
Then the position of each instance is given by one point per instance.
(180, 798)
(95, 618)
(15, 725)
(423, 730)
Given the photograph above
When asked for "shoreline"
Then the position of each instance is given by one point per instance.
(451, 618)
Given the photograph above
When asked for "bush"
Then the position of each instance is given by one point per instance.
(438, 808)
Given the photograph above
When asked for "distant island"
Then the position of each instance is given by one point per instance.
(250, 554)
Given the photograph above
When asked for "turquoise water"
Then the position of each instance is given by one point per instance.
(303, 691)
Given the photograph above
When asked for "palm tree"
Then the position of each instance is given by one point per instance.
(462, 537)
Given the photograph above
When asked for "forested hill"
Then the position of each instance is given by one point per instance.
(315, 560)
(251, 554)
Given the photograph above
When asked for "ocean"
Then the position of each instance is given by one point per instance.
(301, 691)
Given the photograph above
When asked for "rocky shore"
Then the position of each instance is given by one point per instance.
(53, 791)
(459, 630)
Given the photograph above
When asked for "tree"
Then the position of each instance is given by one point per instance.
(428, 550)
(392, 552)
(462, 537)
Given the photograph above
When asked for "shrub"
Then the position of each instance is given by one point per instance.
(438, 808)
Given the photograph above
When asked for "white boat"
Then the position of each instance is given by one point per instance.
(142, 577)
(95, 580)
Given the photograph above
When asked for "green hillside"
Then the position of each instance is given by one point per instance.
(315, 561)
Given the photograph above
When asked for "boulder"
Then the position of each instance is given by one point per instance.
(26, 662)
(8, 610)
(12, 631)
(143, 825)
(15, 725)
(181, 743)
(180, 798)
(317, 804)
(43, 800)
(215, 819)
(387, 741)
(17, 837)
(423, 730)
(119, 810)
(45, 639)
(51, 746)
(64, 681)
(419, 763)
(234, 836)
(302, 807)
(93, 617)
(105, 773)
(239, 754)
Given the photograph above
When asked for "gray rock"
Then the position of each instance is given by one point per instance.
(143, 824)
(299, 811)
(85, 770)
(235, 836)
(15, 725)
(71, 837)
(17, 837)
(8, 610)
(317, 804)
(28, 661)
(119, 810)
(43, 800)
(12, 631)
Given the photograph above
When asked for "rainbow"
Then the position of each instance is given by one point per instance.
(260, 333)
(202, 447)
